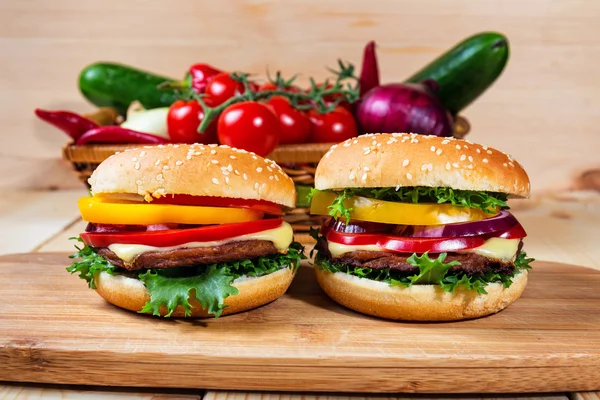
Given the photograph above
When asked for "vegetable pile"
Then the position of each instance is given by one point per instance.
(211, 105)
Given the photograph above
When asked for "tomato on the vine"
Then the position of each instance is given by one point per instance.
(222, 87)
(183, 120)
(250, 126)
(295, 125)
(270, 86)
(332, 127)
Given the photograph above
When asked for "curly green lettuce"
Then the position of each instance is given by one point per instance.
(172, 287)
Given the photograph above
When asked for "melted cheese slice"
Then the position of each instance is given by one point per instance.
(496, 248)
(280, 237)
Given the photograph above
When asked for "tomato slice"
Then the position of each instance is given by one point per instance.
(176, 237)
(187, 200)
(417, 245)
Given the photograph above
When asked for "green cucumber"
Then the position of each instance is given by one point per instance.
(465, 71)
(117, 85)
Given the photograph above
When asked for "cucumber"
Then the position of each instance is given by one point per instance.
(465, 71)
(116, 85)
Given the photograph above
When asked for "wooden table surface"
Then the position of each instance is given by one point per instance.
(562, 227)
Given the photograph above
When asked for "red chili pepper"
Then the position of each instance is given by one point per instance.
(199, 75)
(116, 134)
(369, 76)
(72, 124)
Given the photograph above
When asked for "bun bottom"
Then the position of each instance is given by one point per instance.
(131, 294)
(418, 302)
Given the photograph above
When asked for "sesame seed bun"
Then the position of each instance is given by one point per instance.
(418, 302)
(131, 294)
(402, 159)
(197, 170)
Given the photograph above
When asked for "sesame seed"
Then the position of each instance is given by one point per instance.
(166, 167)
(438, 151)
(478, 150)
(137, 165)
(405, 163)
(215, 181)
(408, 175)
(256, 185)
(505, 164)
(355, 141)
(254, 157)
(455, 165)
(214, 161)
(226, 179)
(364, 177)
(392, 140)
(270, 169)
(470, 158)
(346, 144)
(159, 177)
(178, 162)
(367, 151)
(463, 157)
(134, 159)
(427, 167)
(232, 157)
(448, 166)
(271, 177)
(352, 176)
(160, 146)
(397, 187)
(188, 157)
(470, 166)
(245, 176)
(213, 152)
(465, 146)
(157, 163)
(374, 142)
(485, 160)
(489, 152)
(276, 178)
(432, 148)
(199, 153)
(334, 146)
(366, 169)
(175, 146)
(139, 182)
(259, 169)
(212, 145)
(445, 141)
(458, 146)
(229, 168)
(225, 172)
(236, 172)
(511, 164)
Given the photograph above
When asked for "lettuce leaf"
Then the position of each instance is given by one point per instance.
(171, 287)
(431, 271)
(90, 264)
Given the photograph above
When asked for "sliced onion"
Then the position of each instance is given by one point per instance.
(106, 228)
(501, 222)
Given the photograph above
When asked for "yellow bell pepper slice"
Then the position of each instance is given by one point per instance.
(96, 210)
(388, 212)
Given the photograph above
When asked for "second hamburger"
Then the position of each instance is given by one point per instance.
(419, 227)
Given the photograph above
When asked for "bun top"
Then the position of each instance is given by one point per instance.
(402, 159)
(197, 170)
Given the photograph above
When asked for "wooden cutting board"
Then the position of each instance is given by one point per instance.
(55, 330)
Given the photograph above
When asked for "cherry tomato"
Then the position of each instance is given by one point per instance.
(268, 86)
(295, 125)
(222, 87)
(200, 74)
(250, 126)
(332, 127)
(183, 120)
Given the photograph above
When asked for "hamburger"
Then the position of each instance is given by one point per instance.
(187, 231)
(419, 227)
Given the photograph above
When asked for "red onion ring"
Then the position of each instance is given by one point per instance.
(500, 222)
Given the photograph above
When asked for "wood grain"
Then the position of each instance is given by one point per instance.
(18, 392)
(221, 395)
(542, 108)
(586, 396)
(54, 329)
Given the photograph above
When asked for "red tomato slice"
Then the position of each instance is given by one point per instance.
(176, 237)
(208, 201)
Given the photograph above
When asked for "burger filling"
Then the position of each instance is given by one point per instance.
(418, 235)
(179, 250)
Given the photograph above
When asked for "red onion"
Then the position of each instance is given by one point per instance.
(369, 75)
(501, 222)
(409, 107)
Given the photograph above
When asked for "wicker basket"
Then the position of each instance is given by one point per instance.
(299, 161)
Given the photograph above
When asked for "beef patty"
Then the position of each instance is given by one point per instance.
(186, 257)
(471, 264)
